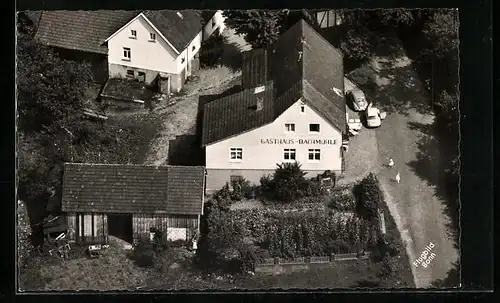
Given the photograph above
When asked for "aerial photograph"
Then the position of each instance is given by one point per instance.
(164, 150)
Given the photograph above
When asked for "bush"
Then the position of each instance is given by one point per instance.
(343, 202)
(248, 258)
(241, 188)
(160, 242)
(144, 253)
(212, 50)
(223, 194)
(267, 187)
(388, 246)
(289, 182)
(368, 196)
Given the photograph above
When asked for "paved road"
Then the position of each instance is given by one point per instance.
(416, 208)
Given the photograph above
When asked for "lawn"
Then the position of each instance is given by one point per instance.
(112, 271)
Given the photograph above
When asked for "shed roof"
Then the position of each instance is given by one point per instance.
(300, 64)
(116, 188)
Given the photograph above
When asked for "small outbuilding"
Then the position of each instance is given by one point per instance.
(131, 201)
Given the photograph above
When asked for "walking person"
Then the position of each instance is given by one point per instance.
(398, 178)
(391, 163)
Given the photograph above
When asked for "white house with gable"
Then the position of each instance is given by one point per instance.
(293, 111)
(145, 45)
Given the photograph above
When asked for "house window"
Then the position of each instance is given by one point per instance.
(193, 48)
(289, 127)
(152, 37)
(133, 34)
(314, 128)
(236, 154)
(130, 73)
(235, 178)
(127, 55)
(289, 154)
(183, 59)
(314, 155)
(302, 108)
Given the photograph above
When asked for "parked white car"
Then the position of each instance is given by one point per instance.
(355, 95)
(373, 116)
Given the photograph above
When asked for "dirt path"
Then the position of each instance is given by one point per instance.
(417, 210)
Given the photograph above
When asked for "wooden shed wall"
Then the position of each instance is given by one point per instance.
(174, 226)
(88, 228)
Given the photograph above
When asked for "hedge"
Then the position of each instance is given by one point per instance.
(307, 233)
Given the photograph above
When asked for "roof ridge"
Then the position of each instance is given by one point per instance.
(338, 51)
(130, 165)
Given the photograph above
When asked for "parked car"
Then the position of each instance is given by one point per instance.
(355, 95)
(373, 116)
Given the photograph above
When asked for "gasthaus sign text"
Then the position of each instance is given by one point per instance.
(298, 141)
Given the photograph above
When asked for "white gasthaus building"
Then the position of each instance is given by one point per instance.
(291, 108)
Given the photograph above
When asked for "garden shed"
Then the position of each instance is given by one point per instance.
(130, 201)
(126, 93)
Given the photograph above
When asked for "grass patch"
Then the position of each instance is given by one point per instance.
(404, 276)
(112, 271)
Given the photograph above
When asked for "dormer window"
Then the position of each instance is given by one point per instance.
(133, 34)
(152, 37)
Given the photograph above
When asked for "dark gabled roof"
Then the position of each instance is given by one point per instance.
(254, 69)
(302, 55)
(301, 64)
(81, 30)
(237, 113)
(179, 31)
(87, 30)
(110, 188)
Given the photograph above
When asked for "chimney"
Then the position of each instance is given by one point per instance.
(260, 104)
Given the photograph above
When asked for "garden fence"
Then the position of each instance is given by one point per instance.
(312, 260)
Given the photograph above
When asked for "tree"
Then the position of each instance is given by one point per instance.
(223, 236)
(51, 91)
(452, 280)
(25, 247)
(357, 43)
(289, 182)
(441, 34)
(369, 196)
(259, 27)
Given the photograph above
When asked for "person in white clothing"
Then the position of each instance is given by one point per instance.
(391, 163)
(398, 178)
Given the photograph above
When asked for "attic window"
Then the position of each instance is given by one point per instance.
(152, 37)
(180, 15)
(213, 23)
(259, 89)
(193, 48)
(133, 34)
(302, 108)
(183, 59)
